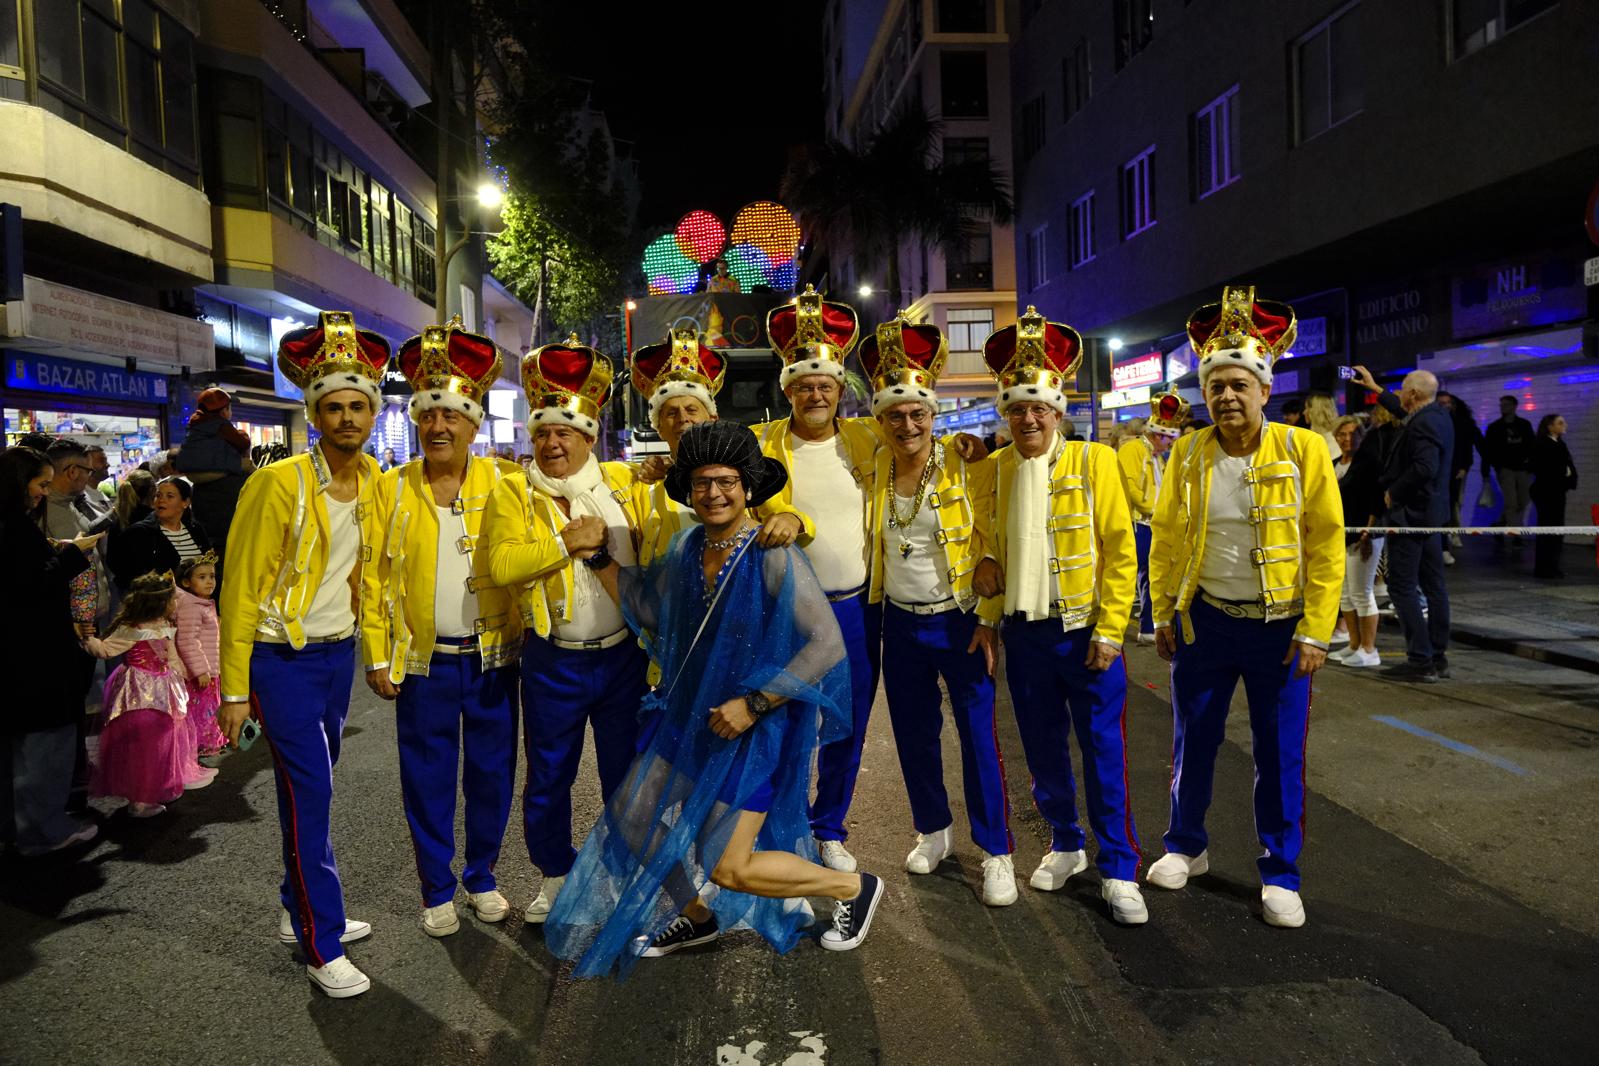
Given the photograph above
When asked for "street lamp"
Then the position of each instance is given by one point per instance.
(1115, 344)
(865, 292)
(489, 196)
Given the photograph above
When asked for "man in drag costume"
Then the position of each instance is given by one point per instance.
(710, 830)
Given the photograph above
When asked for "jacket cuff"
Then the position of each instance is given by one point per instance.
(1096, 639)
(1312, 641)
(235, 699)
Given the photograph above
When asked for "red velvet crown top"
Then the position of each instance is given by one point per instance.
(681, 357)
(334, 343)
(808, 319)
(920, 347)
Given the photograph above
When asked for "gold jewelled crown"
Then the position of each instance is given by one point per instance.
(567, 381)
(904, 355)
(812, 335)
(448, 359)
(1262, 328)
(333, 355)
(1034, 353)
(683, 358)
(1167, 413)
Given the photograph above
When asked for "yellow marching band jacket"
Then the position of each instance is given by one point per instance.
(1140, 474)
(277, 555)
(400, 587)
(1092, 560)
(1297, 515)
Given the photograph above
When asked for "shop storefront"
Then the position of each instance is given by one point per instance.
(121, 412)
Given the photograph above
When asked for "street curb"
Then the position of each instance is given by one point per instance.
(1512, 646)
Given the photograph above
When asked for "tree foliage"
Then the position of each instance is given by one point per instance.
(874, 198)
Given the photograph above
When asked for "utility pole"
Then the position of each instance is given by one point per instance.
(444, 113)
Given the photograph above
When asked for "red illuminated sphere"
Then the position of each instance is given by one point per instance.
(700, 236)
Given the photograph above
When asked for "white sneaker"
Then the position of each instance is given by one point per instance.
(544, 902)
(930, 850)
(1282, 907)
(489, 906)
(1342, 656)
(1364, 659)
(339, 978)
(1126, 902)
(441, 920)
(1057, 868)
(1173, 870)
(835, 856)
(999, 881)
(353, 929)
(1449, 558)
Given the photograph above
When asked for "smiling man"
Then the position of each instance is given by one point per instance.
(304, 529)
(438, 636)
(1062, 557)
(580, 664)
(934, 514)
(1246, 565)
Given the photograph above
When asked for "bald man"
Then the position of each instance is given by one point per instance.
(1415, 483)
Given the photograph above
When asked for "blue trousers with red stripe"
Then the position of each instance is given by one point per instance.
(562, 690)
(1142, 537)
(839, 763)
(1053, 692)
(457, 705)
(923, 649)
(1204, 676)
(303, 697)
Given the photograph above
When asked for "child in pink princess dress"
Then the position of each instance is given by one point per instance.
(198, 647)
(145, 701)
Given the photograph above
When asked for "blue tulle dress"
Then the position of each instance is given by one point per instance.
(770, 628)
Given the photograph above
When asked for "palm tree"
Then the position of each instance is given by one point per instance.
(876, 197)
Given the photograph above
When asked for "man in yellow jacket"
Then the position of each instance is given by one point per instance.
(304, 530)
(936, 513)
(580, 663)
(1142, 461)
(438, 636)
(1062, 558)
(1245, 570)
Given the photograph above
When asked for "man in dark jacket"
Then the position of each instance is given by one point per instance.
(1507, 447)
(1415, 483)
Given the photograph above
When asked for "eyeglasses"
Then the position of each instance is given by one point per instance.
(1017, 412)
(824, 389)
(917, 417)
(80, 468)
(701, 485)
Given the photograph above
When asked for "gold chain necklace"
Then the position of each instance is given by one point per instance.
(903, 525)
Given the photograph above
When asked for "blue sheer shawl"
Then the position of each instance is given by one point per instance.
(769, 628)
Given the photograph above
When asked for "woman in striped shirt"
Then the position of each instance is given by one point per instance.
(163, 538)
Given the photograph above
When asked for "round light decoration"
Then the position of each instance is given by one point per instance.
(667, 269)
(760, 251)
(700, 236)
(770, 228)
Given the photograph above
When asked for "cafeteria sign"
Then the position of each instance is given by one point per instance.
(43, 373)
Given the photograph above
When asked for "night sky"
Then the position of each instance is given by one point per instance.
(702, 92)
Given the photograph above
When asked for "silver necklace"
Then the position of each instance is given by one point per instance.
(730, 542)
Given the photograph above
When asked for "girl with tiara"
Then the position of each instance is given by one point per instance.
(145, 701)
(198, 647)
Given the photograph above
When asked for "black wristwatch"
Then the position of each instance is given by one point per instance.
(757, 703)
(599, 560)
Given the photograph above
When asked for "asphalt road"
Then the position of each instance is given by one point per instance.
(1447, 882)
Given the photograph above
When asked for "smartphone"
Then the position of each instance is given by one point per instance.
(1347, 373)
(248, 732)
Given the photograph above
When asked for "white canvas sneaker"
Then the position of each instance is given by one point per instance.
(1126, 902)
(1362, 660)
(1173, 870)
(1282, 907)
(930, 850)
(353, 929)
(999, 881)
(835, 856)
(339, 979)
(544, 903)
(441, 920)
(489, 906)
(1057, 868)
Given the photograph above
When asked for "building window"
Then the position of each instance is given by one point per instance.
(1032, 127)
(959, 151)
(1138, 193)
(963, 80)
(1080, 230)
(1215, 139)
(122, 71)
(1077, 79)
(1038, 257)
(969, 327)
(1475, 24)
(1134, 28)
(963, 16)
(971, 264)
(422, 237)
(1327, 73)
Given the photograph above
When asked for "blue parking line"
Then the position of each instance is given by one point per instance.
(1452, 745)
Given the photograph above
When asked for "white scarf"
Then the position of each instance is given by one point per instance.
(1027, 586)
(586, 493)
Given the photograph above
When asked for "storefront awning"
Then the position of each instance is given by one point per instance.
(76, 324)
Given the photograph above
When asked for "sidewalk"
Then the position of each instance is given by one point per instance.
(1496, 603)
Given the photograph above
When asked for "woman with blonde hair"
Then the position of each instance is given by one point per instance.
(1321, 416)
